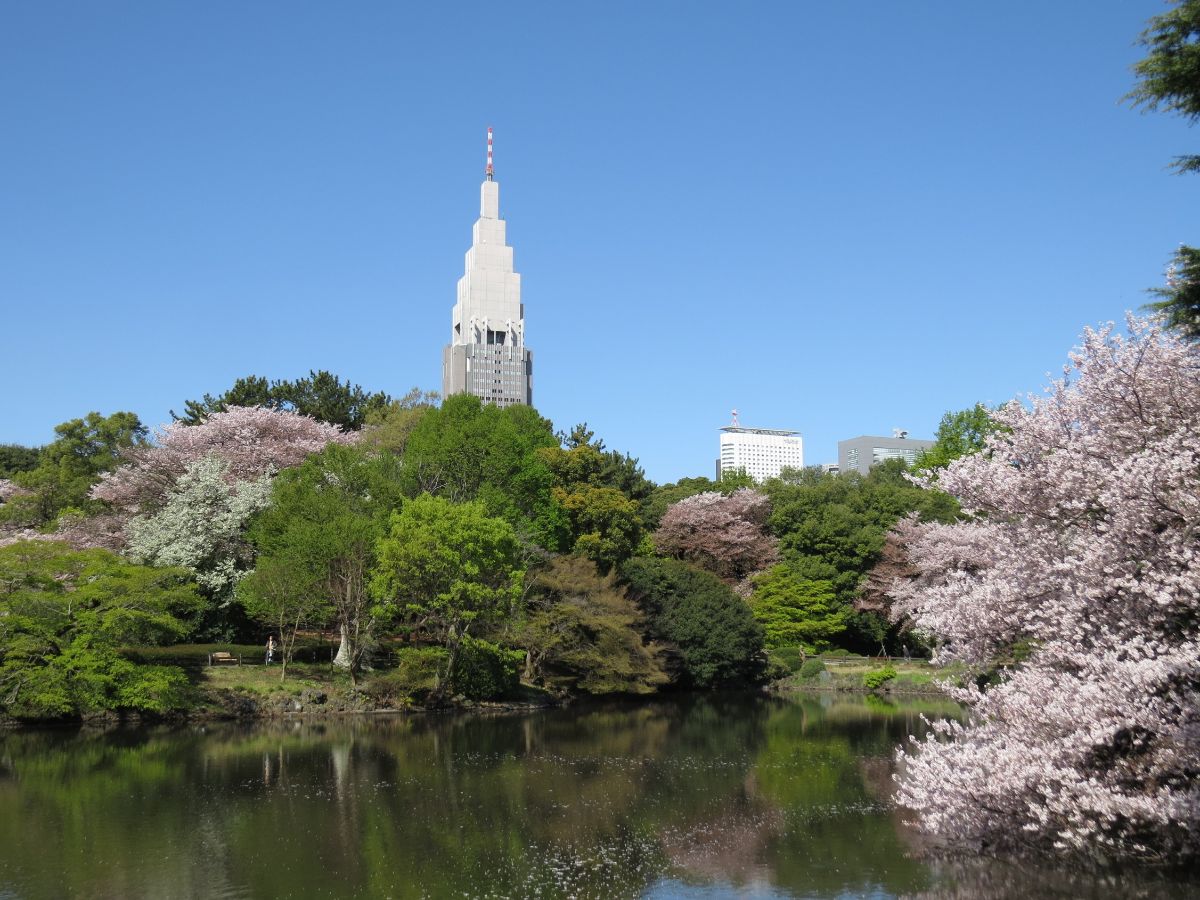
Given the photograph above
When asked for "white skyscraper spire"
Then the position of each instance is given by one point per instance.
(486, 355)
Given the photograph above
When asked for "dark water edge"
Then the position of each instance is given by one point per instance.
(691, 797)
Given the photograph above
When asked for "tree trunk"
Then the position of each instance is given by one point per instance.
(344, 659)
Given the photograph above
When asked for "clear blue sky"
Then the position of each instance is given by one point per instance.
(840, 218)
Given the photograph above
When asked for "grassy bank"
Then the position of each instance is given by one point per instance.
(865, 674)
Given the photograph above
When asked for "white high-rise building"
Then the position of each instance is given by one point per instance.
(762, 452)
(487, 355)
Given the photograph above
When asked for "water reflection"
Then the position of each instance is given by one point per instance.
(699, 797)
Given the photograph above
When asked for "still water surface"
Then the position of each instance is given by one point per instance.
(692, 798)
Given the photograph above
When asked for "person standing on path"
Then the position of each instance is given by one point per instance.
(270, 648)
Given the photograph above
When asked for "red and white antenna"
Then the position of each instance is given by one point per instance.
(734, 423)
(491, 169)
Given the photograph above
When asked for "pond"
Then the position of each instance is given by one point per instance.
(694, 797)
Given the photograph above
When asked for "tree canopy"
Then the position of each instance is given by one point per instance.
(448, 565)
(68, 467)
(469, 450)
(1081, 543)
(64, 614)
(323, 526)
(717, 640)
(1169, 80)
(959, 433)
(580, 630)
(320, 395)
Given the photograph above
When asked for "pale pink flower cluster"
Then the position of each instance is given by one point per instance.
(250, 440)
(726, 535)
(1083, 543)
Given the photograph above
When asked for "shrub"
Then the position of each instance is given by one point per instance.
(879, 677)
(720, 643)
(485, 671)
(415, 675)
(811, 669)
(792, 657)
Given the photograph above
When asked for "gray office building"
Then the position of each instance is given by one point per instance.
(860, 453)
(487, 355)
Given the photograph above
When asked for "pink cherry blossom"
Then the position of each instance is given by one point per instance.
(1082, 545)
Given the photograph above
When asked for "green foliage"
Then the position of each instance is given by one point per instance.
(321, 395)
(617, 470)
(811, 669)
(415, 677)
(735, 479)
(1169, 79)
(468, 450)
(876, 678)
(63, 616)
(320, 534)
(582, 631)
(796, 611)
(1180, 303)
(718, 640)
(450, 565)
(959, 434)
(15, 458)
(484, 671)
(286, 597)
(1169, 76)
(604, 522)
(832, 528)
(791, 658)
(68, 467)
(388, 427)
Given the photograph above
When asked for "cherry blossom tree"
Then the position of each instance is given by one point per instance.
(1081, 541)
(725, 535)
(252, 442)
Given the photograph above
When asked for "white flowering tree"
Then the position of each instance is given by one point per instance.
(1082, 544)
(201, 527)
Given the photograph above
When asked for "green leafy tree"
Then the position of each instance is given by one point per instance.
(1169, 80)
(1180, 303)
(1169, 76)
(617, 470)
(468, 450)
(717, 639)
(958, 434)
(388, 427)
(449, 566)
(797, 612)
(833, 528)
(732, 480)
(321, 395)
(69, 466)
(581, 631)
(64, 614)
(15, 458)
(603, 522)
(287, 597)
(324, 522)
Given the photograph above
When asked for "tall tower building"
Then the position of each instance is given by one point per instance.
(487, 355)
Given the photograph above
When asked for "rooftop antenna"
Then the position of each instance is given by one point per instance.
(491, 169)
(734, 423)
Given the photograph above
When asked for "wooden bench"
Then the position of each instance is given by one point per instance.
(221, 658)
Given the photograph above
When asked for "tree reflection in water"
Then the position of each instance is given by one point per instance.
(694, 796)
